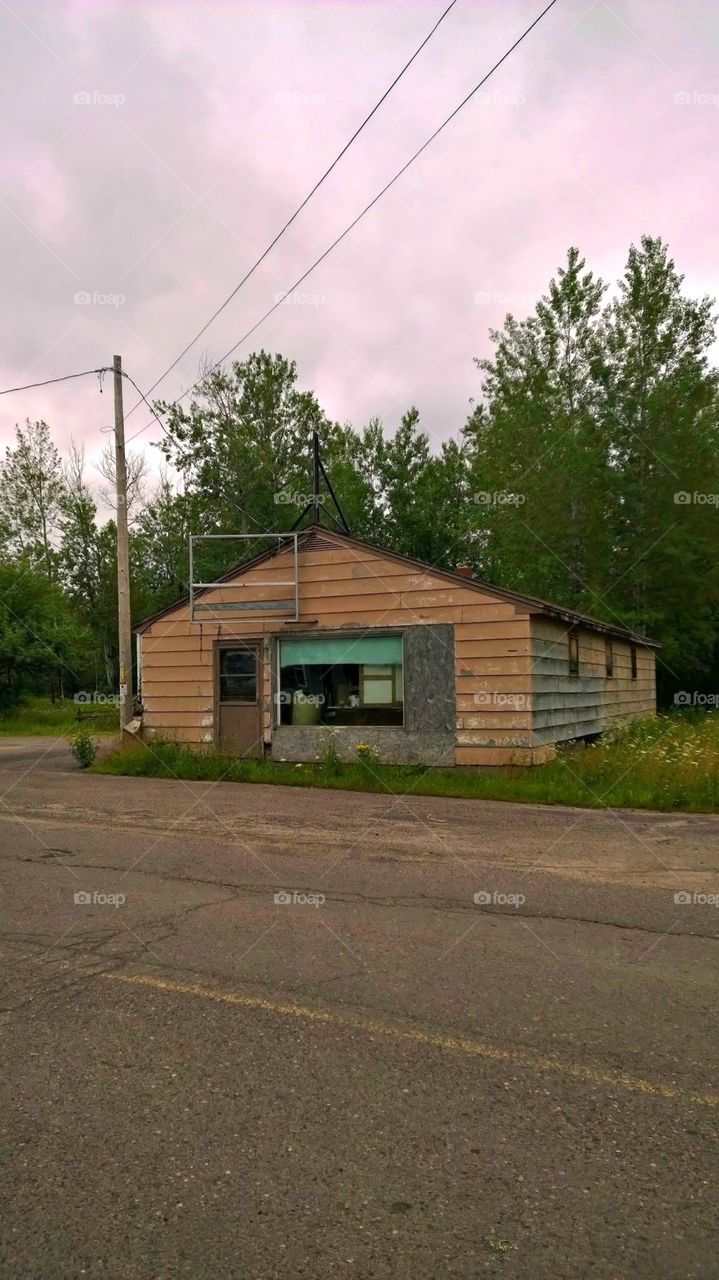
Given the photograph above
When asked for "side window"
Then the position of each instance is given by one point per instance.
(609, 656)
(574, 653)
(634, 662)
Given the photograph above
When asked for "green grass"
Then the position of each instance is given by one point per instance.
(670, 762)
(40, 716)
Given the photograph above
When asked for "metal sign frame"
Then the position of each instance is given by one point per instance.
(279, 606)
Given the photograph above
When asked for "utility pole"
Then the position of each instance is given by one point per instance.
(123, 553)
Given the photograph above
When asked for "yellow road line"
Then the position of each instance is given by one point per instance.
(410, 1035)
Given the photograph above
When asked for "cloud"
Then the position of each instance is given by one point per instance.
(198, 130)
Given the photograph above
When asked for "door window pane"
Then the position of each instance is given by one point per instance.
(238, 675)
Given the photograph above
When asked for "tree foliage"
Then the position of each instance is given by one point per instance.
(603, 421)
(43, 644)
(586, 472)
(30, 495)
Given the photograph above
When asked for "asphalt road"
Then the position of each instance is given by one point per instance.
(379, 1078)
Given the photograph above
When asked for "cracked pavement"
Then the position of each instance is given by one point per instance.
(396, 1082)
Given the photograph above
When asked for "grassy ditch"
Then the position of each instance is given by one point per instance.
(670, 762)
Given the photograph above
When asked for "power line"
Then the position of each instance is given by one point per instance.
(361, 215)
(183, 461)
(300, 207)
(49, 381)
(144, 398)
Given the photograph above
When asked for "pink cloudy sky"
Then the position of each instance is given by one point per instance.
(228, 114)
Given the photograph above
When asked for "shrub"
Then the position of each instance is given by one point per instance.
(84, 748)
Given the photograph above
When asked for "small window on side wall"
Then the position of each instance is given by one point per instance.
(634, 662)
(609, 657)
(574, 653)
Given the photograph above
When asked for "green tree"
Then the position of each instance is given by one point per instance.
(39, 633)
(31, 492)
(539, 463)
(401, 463)
(243, 449)
(443, 495)
(599, 429)
(87, 569)
(419, 499)
(662, 412)
(243, 441)
(159, 547)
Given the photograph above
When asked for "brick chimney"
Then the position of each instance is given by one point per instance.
(464, 570)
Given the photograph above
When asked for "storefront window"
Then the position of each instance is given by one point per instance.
(338, 680)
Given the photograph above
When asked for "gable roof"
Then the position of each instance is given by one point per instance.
(316, 537)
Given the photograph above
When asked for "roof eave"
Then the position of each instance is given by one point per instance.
(593, 624)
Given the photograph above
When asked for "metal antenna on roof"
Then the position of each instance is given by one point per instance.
(316, 500)
(316, 504)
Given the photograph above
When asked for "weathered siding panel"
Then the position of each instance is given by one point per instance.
(566, 707)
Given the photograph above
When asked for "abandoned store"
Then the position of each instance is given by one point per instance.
(328, 635)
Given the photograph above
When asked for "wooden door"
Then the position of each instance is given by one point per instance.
(238, 683)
